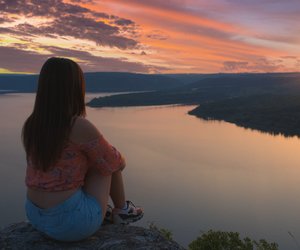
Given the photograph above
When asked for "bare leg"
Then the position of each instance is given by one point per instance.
(98, 186)
(101, 187)
(117, 192)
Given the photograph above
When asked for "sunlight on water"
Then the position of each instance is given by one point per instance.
(190, 175)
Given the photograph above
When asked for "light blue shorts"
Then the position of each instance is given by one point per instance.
(76, 218)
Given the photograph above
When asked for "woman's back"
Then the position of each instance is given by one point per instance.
(49, 188)
(82, 131)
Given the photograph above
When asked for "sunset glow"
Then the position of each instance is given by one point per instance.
(177, 36)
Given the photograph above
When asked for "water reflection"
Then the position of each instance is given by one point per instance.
(207, 174)
(190, 175)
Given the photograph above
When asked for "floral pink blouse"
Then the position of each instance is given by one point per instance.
(76, 159)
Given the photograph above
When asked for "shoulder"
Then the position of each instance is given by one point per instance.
(83, 131)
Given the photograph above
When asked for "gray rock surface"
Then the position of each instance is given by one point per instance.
(23, 236)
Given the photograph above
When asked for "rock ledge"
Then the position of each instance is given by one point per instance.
(23, 236)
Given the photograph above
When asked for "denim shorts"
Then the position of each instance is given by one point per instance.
(75, 219)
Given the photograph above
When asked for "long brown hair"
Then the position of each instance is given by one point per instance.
(59, 98)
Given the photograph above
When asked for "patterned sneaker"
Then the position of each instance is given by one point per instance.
(128, 215)
(108, 219)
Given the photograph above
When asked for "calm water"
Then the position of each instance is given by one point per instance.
(190, 175)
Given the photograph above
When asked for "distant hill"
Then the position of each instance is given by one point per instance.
(124, 82)
(209, 88)
(18, 83)
(96, 82)
(189, 78)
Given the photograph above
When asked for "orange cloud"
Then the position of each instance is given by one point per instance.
(193, 38)
(170, 36)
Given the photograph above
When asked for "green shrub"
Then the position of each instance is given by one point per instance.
(218, 240)
(165, 232)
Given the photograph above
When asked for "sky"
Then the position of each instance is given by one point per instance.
(153, 36)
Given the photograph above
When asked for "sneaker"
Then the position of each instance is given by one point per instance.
(128, 215)
(108, 219)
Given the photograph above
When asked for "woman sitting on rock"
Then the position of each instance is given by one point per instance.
(71, 168)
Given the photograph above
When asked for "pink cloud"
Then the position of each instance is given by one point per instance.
(16, 59)
(69, 20)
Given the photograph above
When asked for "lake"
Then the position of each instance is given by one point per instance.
(190, 175)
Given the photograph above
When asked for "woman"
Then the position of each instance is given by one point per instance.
(71, 168)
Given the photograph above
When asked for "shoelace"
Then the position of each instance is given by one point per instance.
(130, 203)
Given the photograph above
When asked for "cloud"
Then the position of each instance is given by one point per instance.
(82, 1)
(202, 34)
(158, 35)
(2, 20)
(69, 20)
(123, 22)
(93, 63)
(16, 59)
(276, 5)
(289, 57)
(234, 66)
(165, 5)
(6, 19)
(87, 28)
(12, 31)
(290, 38)
(39, 8)
(260, 64)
